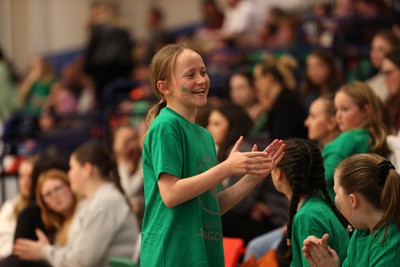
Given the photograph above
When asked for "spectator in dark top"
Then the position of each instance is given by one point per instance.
(108, 53)
(281, 115)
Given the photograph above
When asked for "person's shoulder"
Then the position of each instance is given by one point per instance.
(31, 209)
(108, 197)
(385, 245)
(349, 137)
(314, 204)
(8, 206)
(392, 236)
(169, 121)
(166, 117)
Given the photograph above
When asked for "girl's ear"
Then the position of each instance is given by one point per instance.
(368, 109)
(277, 173)
(332, 124)
(355, 200)
(162, 86)
(88, 168)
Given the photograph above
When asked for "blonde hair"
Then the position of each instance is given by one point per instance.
(22, 201)
(110, 13)
(281, 68)
(362, 95)
(161, 69)
(52, 220)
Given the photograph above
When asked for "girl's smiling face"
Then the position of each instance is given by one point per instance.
(189, 84)
(348, 114)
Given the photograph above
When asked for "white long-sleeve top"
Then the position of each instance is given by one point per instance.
(103, 226)
(132, 183)
(244, 19)
(8, 223)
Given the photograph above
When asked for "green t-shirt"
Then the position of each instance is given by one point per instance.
(346, 144)
(189, 234)
(38, 95)
(315, 217)
(366, 249)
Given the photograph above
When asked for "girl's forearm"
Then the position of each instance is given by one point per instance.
(235, 193)
(175, 191)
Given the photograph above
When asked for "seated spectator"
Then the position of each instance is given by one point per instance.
(300, 176)
(103, 225)
(382, 43)
(241, 22)
(280, 113)
(321, 77)
(57, 205)
(213, 17)
(242, 91)
(366, 187)
(286, 36)
(73, 75)
(315, 27)
(158, 35)
(128, 156)
(62, 125)
(359, 116)
(321, 122)
(36, 86)
(252, 216)
(267, 33)
(212, 20)
(29, 219)
(12, 208)
(390, 70)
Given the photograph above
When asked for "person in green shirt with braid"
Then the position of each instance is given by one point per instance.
(300, 176)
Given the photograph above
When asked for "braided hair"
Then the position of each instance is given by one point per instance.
(304, 170)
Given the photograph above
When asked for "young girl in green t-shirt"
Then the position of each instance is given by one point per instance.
(367, 193)
(300, 176)
(183, 202)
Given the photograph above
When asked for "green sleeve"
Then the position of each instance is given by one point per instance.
(385, 256)
(304, 226)
(166, 147)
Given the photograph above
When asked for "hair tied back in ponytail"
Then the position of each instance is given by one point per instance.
(383, 171)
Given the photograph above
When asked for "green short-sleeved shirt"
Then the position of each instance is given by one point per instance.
(367, 250)
(315, 217)
(38, 95)
(347, 143)
(189, 234)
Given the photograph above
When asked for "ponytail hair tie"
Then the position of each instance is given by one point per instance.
(383, 171)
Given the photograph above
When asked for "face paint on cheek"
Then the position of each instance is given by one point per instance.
(185, 90)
